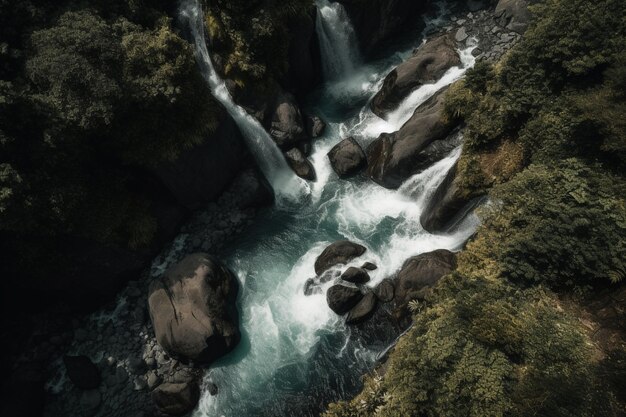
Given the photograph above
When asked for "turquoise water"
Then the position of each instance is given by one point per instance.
(296, 355)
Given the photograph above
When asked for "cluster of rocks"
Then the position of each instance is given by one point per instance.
(350, 296)
(113, 362)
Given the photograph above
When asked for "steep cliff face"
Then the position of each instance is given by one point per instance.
(376, 21)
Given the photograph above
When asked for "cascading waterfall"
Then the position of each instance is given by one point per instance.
(296, 355)
(267, 155)
(338, 42)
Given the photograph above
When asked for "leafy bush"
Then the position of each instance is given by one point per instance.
(561, 225)
(487, 348)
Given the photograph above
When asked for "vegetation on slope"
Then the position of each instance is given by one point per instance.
(545, 139)
(89, 93)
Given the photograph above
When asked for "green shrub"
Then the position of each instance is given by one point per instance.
(487, 348)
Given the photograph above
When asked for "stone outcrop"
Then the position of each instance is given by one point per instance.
(513, 15)
(363, 310)
(176, 399)
(299, 163)
(392, 158)
(355, 275)
(340, 252)
(429, 62)
(347, 158)
(192, 307)
(287, 126)
(444, 205)
(420, 273)
(342, 298)
(385, 291)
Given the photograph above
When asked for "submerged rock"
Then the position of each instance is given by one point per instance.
(176, 399)
(513, 14)
(82, 372)
(426, 66)
(192, 307)
(340, 252)
(392, 158)
(363, 310)
(342, 298)
(355, 275)
(300, 164)
(347, 158)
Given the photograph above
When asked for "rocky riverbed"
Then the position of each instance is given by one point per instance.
(109, 363)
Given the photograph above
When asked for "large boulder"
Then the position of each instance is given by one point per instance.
(420, 273)
(513, 14)
(176, 399)
(287, 127)
(82, 372)
(355, 275)
(299, 163)
(385, 291)
(341, 298)
(427, 65)
(363, 310)
(192, 307)
(445, 205)
(340, 252)
(392, 158)
(347, 158)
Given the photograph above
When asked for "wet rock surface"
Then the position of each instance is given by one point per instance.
(355, 275)
(298, 162)
(192, 308)
(340, 252)
(429, 62)
(363, 310)
(342, 298)
(347, 158)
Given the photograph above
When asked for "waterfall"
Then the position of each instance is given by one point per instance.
(338, 42)
(266, 153)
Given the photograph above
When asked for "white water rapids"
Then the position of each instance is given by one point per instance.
(296, 355)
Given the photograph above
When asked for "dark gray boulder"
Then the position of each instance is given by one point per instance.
(347, 158)
(341, 298)
(369, 266)
(287, 127)
(82, 372)
(385, 291)
(422, 272)
(513, 14)
(445, 205)
(299, 163)
(426, 66)
(355, 275)
(340, 252)
(363, 310)
(176, 399)
(192, 307)
(392, 158)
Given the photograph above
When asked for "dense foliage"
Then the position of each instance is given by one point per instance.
(545, 138)
(555, 104)
(90, 93)
(487, 348)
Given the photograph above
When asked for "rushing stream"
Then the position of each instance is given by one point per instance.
(296, 355)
